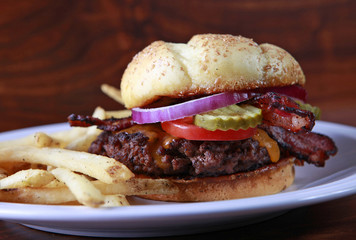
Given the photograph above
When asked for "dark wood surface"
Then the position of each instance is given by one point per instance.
(54, 55)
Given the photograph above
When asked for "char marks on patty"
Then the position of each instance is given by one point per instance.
(180, 157)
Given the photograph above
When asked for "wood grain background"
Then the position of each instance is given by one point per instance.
(54, 55)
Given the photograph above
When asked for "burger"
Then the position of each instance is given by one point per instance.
(221, 116)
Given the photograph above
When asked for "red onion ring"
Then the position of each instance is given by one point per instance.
(189, 108)
(204, 104)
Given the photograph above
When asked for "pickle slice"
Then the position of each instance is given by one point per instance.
(314, 109)
(233, 117)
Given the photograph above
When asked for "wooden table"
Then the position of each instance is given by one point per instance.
(54, 55)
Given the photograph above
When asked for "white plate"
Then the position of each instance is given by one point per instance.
(149, 218)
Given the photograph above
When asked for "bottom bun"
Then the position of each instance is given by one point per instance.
(266, 180)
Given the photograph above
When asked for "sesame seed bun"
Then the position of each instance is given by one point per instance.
(207, 64)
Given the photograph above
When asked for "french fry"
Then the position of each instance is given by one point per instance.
(83, 190)
(102, 168)
(115, 201)
(43, 140)
(99, 112)
(27, 140)
(26, 178)
(52, 196)
(68, 136)
(55, 183)
(83, 143)
(131, 187)
(41, 195)
(112, 92)
(137, 186)
(118, 114)
(49, 168)
(63, 137)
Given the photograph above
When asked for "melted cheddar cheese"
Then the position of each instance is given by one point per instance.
(267, 142)
(156, 139)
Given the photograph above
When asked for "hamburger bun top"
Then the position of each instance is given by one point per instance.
(207, 64)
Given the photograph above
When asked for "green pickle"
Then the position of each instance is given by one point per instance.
(233, 117)
(306, 106)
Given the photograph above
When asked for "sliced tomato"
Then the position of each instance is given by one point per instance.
(185, 128)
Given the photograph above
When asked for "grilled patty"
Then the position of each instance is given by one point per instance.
(147, 149)
(152, 152)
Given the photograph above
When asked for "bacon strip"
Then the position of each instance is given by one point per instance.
(282, 111)
(111, 124)
(312, 147)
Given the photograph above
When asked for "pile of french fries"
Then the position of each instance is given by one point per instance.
(56, 169)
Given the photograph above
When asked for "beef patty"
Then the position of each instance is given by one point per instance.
(150, 151)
